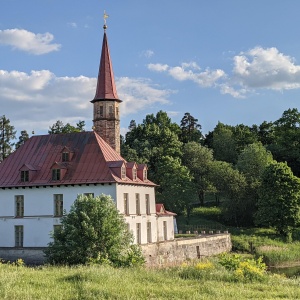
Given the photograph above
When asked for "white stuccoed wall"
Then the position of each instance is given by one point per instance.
(38, 218)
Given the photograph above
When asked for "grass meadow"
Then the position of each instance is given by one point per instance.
(200, 280)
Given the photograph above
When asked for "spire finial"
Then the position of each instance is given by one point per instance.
(105, 16)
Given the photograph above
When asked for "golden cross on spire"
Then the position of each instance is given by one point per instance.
(105, 16)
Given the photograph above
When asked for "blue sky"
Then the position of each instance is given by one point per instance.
(230, 61)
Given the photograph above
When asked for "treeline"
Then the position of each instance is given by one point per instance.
(251, 171)
(8, 134)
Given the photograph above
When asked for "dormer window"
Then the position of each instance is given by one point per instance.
(134, 173)
(55, 174)
(145, 174)
(123, 172)
(25, 176)
(65, 156)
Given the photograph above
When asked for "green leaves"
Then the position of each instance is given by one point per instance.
(93, 231)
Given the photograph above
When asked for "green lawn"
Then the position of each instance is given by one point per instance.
(209, 281)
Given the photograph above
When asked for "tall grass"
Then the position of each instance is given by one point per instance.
(210, 280)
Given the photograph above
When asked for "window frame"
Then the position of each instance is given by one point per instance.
(25, 176)
(19, 236)
(19, 206)
(137, 204)
(56, 174)
(147, 202)
(126, 204)
(58, 205)
(138, 233)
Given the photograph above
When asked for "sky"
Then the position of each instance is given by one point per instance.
(233, 61)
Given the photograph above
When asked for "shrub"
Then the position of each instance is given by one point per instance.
(93, 232)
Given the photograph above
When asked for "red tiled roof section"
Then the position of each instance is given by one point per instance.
(89, 163)
(106, 88)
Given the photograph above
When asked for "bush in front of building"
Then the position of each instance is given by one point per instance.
(93, 232)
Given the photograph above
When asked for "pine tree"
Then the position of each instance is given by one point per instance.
(7, 135)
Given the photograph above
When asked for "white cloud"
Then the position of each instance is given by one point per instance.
(139, 93)
(266, 68)
(254, 70)
(158, 67)
(148, 53)
(36, 100)
(27, 41)
(72, 24)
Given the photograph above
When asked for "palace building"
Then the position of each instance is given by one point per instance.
(42, 178)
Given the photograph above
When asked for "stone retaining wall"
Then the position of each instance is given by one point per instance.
(156, 254)
(179, 250)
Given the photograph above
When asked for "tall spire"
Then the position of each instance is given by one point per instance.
(106, 88)
(106, 101)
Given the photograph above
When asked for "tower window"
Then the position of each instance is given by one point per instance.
(111, 112)
(101, 111)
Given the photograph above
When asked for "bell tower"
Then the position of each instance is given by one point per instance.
(106, 101)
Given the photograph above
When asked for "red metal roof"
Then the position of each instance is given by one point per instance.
(161, 211)
(106, 88)
(90, 162)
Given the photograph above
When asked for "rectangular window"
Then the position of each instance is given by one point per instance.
(138, 233)
(126, 204)
(58, 205)
(19, 235)
(24, 176)
(138, 205)
(101, 111)
(19, 206)
(65, 156)
(123, 172)
(55, 174)
(145, 174)
(134, 173)
(165, 230)
(111, 111)
(147, 204)
(149, 232)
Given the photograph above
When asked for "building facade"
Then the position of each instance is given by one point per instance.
(41, 179)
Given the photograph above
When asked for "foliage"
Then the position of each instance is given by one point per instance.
(176, 189)
(198, 159)
(285, 144)
(251, 162)
(223, 143)
(60, 127)
(190, 129)
(244, 269)
(22, 138)
(93, 232)
(210, 213)
(7, 135)
(279, 199)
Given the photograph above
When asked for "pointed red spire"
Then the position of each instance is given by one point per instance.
(106, 88)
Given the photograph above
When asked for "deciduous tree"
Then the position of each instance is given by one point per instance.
(279, 199)
(93, 232)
